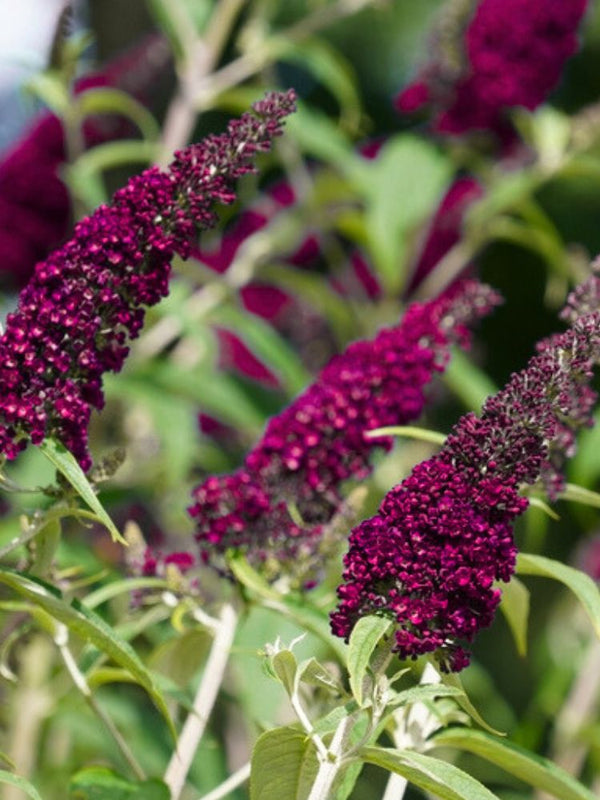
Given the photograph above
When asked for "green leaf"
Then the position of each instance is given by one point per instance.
(65, 463)
(578, 494)
(585, 465)
(537, 502)
(20, 783)
(176, 20)
(452, 679)
(178, 443)
(103, 675)
(179, 658)
(430, 774)
(346, 781)
(99, 783)
(284, 666)
(363, 640)
(105, 593)
(411, 432)
(217, 393)
(108, 100)
(112, 154)
(578, 582)
(424, 693)
(268, 345)
(515, 607)
(312, 619)
(403, 186)
(318, 135)
(44, 547)
(50, 88)
(283, 765)
(332, 70)
(528, 767)
(467, 381)
(89, 627)
(315, 674)
(506, 193)
(549, 131)
(250, 578)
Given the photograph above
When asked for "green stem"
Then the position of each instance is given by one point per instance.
(58, 512)
(201, 57)
(225, 788)
(329, 764)
(414, 719)
(257, 59)
(61, 639)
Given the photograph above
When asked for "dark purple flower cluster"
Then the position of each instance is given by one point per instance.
(291, 481)
(84, 303)
(429, 557)
(513, 54)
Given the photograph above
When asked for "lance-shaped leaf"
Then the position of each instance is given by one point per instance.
(66, 464)
(284, 765)
(86, 624)
(578, 582)
(430, 774)
(363, 641)
(528, 767)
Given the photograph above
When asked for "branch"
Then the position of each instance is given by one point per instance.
(204, 701)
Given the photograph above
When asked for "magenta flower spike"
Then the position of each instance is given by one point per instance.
(429, 558)
(492, 56)
(86, 301)
(275, 507)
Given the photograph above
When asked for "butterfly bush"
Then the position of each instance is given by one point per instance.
(491, 57)
(86, 301)
(276, 507)
(429, 558)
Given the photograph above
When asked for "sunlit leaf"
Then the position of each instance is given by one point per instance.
(430, 774)
(315, 674)
(20, 783)
(112, 154)
(467, 381)
(284, 665)
(528, 767)
(515, 607)
(364, 638)
(89, 627)
(404, 184)
(108, 100)
(66, 464)
(250, 578)
(283, 765)
(409, 431)
(453, 679)
(125, 586)
(578, 494)
(318, 135)
(584, 588)
(99, 783)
